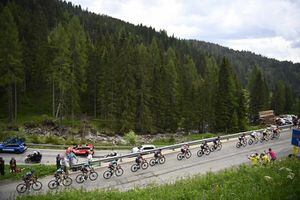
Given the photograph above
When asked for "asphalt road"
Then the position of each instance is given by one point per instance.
(171, 171)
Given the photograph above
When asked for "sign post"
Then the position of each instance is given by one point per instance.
(296, 141)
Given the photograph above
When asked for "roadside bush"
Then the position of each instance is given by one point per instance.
(131, 138)
(54, 140)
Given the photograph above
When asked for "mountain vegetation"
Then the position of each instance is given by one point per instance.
(68, 63)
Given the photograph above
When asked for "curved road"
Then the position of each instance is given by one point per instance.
(172, 170)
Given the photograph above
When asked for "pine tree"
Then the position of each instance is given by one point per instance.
(225, 102)
(78, 50)
(278, 99)
(169, 92)
(156, 85)
(209, 93)
(61, 71)
(143, 84)
(11, 69)
(259, 94)
(190, 86)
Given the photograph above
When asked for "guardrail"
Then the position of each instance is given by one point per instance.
(63, 146)
(172, 147)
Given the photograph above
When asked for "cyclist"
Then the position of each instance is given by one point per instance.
(204, 145)
(184, 148)
(157, 154)
(139, 159)
(113, 164)
(276, 131)
(242, 138)
(86, 168)
(254, 135)
(265, 134)
(216, 141)
(29, 176)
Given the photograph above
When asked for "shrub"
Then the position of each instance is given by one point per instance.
(131, 137)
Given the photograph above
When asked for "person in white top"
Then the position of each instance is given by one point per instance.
(90, 157)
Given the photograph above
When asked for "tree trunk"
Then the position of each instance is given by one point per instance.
(53, 99)
(95, 106)
(10, 100)
(16, 101)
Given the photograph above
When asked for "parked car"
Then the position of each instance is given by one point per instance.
(12, 147)
(142, 148)
(81, 150)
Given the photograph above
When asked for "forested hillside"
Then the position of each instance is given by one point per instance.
(59, 60)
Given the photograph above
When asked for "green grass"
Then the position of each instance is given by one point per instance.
(280, 180)
(40, 171)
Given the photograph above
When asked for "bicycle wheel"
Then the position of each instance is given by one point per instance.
(152, 162)
(79, 178)
(212, 148)
(207, 151)
(93, 176)
(250, 142)
(200, 153)
(37, 185)
(119, 172)
(180, 156)
(67, 181)
(52, 184)
(145, 165)
(162, 160)
(238, 145)
(21, 188)
(219, 147)
(188, 154)
(134, 167)
(107, 174)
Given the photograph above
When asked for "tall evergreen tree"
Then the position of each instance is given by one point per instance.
(279, 98)
(169, 92)
(259, 94)
(143, 85)
(61, 71)
(156, 84)
(78, 52)
(225, 103)
(11, 69)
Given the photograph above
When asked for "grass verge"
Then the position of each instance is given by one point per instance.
(40, 171)
(279, 180)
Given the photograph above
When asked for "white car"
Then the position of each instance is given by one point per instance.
(143, 148)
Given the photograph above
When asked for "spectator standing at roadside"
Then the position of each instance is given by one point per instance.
(13, 165)
(1, 166)
(272, 154)
(57, 161)
(63, 164)
(90, 158)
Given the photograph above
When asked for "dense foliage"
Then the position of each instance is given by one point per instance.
(280, 180)
(60, 60)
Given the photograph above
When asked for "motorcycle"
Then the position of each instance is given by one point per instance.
(33, 158)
